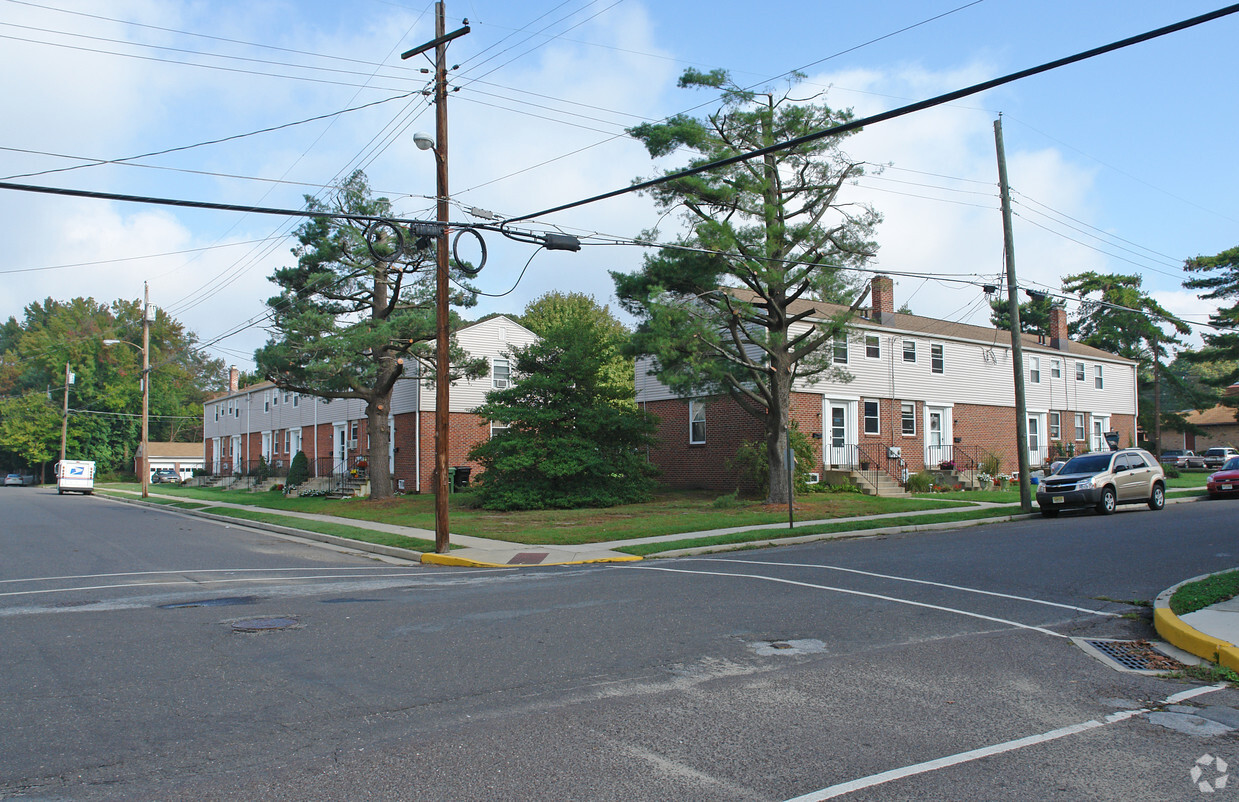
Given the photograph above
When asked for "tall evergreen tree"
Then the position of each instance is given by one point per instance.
(349, 316)
(716, 312)
(1219, 278)
(574, 437)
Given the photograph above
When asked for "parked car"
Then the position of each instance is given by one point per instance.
(14, 480)
(1103, 480)
(1183, 459)
(1218, 455)
(1226, 481)
(168, 475)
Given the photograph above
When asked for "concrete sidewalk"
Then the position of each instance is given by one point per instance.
(1211, 633)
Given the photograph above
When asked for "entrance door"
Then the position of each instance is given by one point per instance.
(237, 457)
(339, 450)
(1034, 441)
(840, 452)
(1100, 426)
(937, 448)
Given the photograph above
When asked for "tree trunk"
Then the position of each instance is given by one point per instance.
(777, 422)
(378, 424)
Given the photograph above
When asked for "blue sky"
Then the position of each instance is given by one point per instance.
(1121, 164)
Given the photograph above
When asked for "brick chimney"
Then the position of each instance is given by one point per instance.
(234, 379)
(1058, 327)
(882, 297)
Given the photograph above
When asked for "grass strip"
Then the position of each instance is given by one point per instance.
(644, 549)
(187, 505)
(1198, 595)
(330, 528)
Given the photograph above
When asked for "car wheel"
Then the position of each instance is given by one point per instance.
(1158, 498)
(1049, 512)
(1108, 501)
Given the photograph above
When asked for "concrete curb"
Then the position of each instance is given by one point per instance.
(1177, 633)
(465, 562)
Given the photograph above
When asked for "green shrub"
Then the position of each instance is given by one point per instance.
(751, 460)
(991, 464)
(298, 470)
(922, 482)
(727, 502)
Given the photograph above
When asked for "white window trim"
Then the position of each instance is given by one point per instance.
(1099, 381)
(834, 352)
(864, 418)
(902, 418)
(1081, 427)
(496, 382)
(906, 352)
(693, 406)
(1056, 426)
(878, 341)
(942, 358)
(1056, 369)
(1034, 369)
(1081, 372)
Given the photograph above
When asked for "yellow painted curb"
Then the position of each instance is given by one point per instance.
(1193, 641)
(465, 562)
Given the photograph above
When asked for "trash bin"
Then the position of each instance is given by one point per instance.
(451, 480)
(461, 472)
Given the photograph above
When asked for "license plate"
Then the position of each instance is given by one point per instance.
(1224, 487)
(1057, 499)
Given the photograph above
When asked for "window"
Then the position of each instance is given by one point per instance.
(288, 441)
(1056, 426)
(296, 398)
(1098, 382)
(217, 413)
(909, 419)
(236, 413)
(936, 363)
(500, 374)
(1080, 426)
(871, 418)
(909, 350)
(873, 346)
(285, 398)
(266, 402)
(1034, 369)
(696, 422)
(1056, 369)
(841, 351)
(1079, 371)
(498, 428)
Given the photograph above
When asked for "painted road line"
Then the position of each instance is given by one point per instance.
(988, 751)
(189, 571)
(917, 581)
(849, 592)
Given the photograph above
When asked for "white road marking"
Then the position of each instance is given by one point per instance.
(188, 571)
(987, 751)
(204, 583)
(894, 599)
(916, 581)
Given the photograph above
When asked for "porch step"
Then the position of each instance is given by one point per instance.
(885, 486)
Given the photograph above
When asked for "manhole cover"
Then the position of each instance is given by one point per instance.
(1130, 655)
(264, 624)
(226, 601)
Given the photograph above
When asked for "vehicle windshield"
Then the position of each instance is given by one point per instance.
(1087, 463)
(1232, 464)
(1216, 452)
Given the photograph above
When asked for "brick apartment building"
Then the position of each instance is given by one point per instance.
(262, 422)
(923, 392)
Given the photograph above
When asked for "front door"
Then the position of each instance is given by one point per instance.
(840, 451)
(339, 450)
(937, 437)
(1034, 441)
(1100, 426)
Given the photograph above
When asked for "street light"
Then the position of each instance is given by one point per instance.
(144, 462)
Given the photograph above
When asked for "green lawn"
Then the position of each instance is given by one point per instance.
(330, 528)
(668, 513)
(645, 549)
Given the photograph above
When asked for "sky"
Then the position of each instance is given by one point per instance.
(1120, 164)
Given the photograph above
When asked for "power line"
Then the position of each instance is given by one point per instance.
(894, 113)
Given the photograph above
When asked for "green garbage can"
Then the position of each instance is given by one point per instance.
(451, 480)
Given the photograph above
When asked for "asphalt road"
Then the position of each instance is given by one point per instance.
(927, 666)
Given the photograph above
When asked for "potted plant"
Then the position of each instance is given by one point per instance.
(946, 465)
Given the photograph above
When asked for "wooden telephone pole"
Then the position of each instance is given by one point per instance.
(1017, 347)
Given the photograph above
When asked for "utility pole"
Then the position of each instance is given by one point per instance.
(64, 420)
(1017, 347)
(146, 388)
(442, 366)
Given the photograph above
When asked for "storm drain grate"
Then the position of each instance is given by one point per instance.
(1132, 655)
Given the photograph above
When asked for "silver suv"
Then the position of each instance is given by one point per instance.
(1103, 480)
(1216, 457)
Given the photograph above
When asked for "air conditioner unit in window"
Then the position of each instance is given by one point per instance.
(894, 452)
(813, 479)
(352, 445)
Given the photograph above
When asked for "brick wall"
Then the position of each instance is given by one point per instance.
(705, 465)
